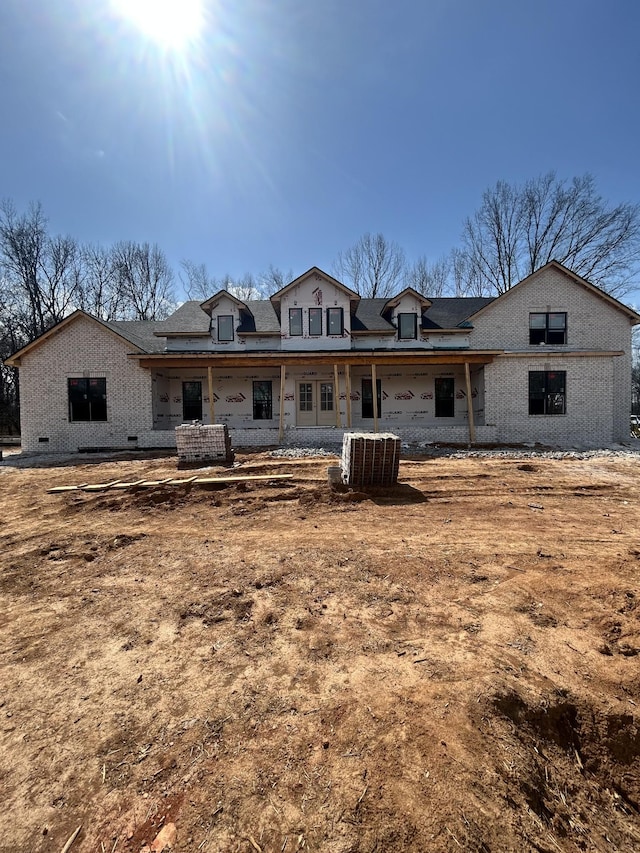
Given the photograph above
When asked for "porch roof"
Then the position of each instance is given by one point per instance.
(353, 358)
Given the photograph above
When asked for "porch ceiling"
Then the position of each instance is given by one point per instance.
(292, 359)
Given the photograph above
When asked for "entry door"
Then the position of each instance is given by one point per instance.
(316, 404)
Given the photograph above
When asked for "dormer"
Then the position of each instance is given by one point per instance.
(226, 312)
(315, 312)
(405, 311)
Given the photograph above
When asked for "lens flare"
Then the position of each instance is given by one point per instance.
(171, 24)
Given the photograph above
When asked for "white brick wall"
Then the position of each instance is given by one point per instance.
(83, 348)
(598, 390)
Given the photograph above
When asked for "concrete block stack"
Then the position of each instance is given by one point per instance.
(203, 443)
(370, 459)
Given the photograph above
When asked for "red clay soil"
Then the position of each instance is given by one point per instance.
(452, 664)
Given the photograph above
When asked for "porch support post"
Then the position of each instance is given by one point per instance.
(212, 416)
(472, 426)
(347, 381)
(282, 378)
(374, 393)
(336, 385)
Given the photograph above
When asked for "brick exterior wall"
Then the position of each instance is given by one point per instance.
(598, 389)
(83, 348)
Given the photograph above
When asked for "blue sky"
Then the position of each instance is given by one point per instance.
(292, 127)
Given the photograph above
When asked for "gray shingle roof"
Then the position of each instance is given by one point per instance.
(189, 318)
(368, 317)
(448, 312)
(263, 317)
(139, 333)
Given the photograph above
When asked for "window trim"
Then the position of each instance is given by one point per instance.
(295, 312)
(341, 332)
(86, 380)
(226, 317)
(547, 331)
(317, 312)
(546, 395)
(258, 402)
(414, 316)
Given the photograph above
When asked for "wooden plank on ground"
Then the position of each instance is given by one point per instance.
(169, 481)
(100, 487)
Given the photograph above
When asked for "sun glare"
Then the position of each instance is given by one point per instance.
(171, 24)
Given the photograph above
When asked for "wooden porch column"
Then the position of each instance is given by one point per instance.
(347, 382)
(374, 392)
(212, 416)
(282, 378)
(472, 426)
(336, 392)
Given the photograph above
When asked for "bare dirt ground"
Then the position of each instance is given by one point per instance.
(450, 665)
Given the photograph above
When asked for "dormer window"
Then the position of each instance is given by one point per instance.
(407, 327)
(295, 322)
(225, 327)
(548, 328)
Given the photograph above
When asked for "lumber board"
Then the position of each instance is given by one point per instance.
(169, 481)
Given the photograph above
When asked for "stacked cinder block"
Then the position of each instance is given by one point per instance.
(203, 443)
(370, 459)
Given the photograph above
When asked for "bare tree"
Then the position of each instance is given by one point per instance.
(244, 288)
(273, 279)
(144, 280)
(467, 281)
(196, 281)
(430, 279)
(99, 292)
(373, 266)
(518, 229)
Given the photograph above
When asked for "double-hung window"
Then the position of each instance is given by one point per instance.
(335, 321)
(225, 327)
(407, 327)
(295, 322)
(548, 328)
(87, 399)
(547, 392)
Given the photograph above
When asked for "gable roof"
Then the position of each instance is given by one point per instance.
(212, 301)
(137, 333)
(316, 271)
(408, 291)
(620, 306)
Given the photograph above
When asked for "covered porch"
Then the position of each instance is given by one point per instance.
(312, 398)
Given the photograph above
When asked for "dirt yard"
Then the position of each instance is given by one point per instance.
(452, 665)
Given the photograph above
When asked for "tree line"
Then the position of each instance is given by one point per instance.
(516, 229)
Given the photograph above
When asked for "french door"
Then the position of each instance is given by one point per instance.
(315, 403)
